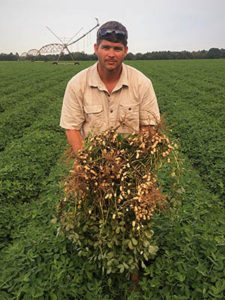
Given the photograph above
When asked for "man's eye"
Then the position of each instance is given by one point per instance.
(118, 49)
(105, 47)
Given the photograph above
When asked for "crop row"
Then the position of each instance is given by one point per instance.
(20, 109)
(20, 76)
(26, 162)
(23, 94)
(194, 106)
(31, 141)
(20, 117)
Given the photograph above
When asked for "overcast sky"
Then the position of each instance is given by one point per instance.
(153, 25)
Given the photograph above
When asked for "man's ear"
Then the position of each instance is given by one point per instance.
(96, 48)
(126, 50)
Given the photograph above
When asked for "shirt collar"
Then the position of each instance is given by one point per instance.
(94, 79)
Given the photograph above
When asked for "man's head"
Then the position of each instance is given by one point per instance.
(112, 31)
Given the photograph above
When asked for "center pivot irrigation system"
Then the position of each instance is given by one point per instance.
(58, 47)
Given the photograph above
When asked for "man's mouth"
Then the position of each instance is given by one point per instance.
(111, 61)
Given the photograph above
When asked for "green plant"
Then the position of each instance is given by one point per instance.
(110, 196)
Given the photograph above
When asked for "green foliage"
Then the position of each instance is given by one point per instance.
(191, 265)
(35, 264)
(194, 107)
(25, 165)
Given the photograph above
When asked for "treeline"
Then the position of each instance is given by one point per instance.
(155, 55)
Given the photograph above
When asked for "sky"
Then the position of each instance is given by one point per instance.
(153, 25)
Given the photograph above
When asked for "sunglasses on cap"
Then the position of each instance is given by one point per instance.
(119, 33)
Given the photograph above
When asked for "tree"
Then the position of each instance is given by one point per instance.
(214, 53)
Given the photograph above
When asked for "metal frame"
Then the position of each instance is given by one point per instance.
(56, 47)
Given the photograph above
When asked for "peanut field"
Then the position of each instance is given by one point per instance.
(35, 263)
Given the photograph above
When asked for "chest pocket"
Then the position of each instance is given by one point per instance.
(94, 115)
(129, 117)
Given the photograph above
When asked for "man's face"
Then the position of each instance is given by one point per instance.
(110, 55)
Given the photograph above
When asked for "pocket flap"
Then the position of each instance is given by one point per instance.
(130, 108)
(93, 109)
(129, 112)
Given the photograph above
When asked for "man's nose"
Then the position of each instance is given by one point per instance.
(111, 52)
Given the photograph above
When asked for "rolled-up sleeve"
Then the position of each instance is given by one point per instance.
(149, 109)
(72, 115)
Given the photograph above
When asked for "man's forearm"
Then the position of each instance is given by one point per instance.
(75, 139)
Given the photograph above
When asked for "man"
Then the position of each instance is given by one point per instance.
(108, 94)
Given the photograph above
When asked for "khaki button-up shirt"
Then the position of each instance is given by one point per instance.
(88, 106)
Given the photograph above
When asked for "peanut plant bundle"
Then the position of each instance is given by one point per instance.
(110, 195)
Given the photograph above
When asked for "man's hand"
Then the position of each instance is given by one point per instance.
(75, 139)
(144, 128)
